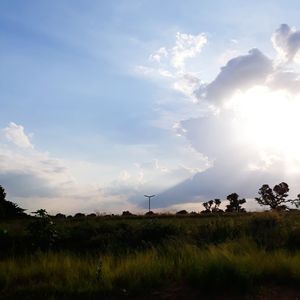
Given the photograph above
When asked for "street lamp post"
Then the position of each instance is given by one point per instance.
(149, 198)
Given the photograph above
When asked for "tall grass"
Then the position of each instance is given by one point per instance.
(101, 258)
(232, 266)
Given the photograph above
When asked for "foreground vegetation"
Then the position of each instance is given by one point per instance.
(214, 254)
(230, 268)
(229, 255)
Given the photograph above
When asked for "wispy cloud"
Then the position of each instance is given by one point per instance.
(187, 46)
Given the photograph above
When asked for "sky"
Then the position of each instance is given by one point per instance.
(105, 101)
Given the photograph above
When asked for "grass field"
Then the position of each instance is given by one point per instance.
(218, 257)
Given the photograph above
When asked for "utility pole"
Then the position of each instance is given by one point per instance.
(149, 198)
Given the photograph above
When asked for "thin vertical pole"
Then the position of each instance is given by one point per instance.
(149, 198)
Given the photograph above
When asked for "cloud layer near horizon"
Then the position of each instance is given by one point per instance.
(35, 179)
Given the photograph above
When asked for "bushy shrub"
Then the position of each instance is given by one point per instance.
(92, 215)
(293, 242)
(127, 213)
(3, 238)
(79, 215)
(216, 231)
(149, 213)
(42, 230)
(60, 216)
(268, 230)
(182, 213)
(78, 236)
(155, 233)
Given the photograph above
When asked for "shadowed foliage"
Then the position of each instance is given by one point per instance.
(42, 230)
(9, 210)
(296, 201)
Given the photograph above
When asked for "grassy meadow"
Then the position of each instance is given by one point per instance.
(226, 256)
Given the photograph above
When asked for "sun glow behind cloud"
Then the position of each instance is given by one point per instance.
(245, 117)
(268, 122)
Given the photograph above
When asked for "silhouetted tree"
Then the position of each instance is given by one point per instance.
(182, 212)
(208, 205)
(235, 203)
(79, 215)
(60, 216)
(41, 213)
(274, 198)
(296, 201)
(126, 213)
(212, 206)
(216, 208)
(92, 215)
(9, 209)
(193, 213)
(149, 213)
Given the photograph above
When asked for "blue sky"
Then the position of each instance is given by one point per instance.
(95, 97)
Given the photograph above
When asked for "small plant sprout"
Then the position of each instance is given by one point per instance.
(99, 271)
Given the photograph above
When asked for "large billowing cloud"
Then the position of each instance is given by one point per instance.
(250, 133)
(237, 167)
(239, 74)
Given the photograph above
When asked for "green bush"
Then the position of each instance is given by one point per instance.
(155, 233)
(217, 231)
(293, 242)
(269, 230)
(42, 231)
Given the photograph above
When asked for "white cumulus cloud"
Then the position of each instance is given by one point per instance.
(239, 74)
(15, 134)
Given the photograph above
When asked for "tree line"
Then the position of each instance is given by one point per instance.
(275, 198)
